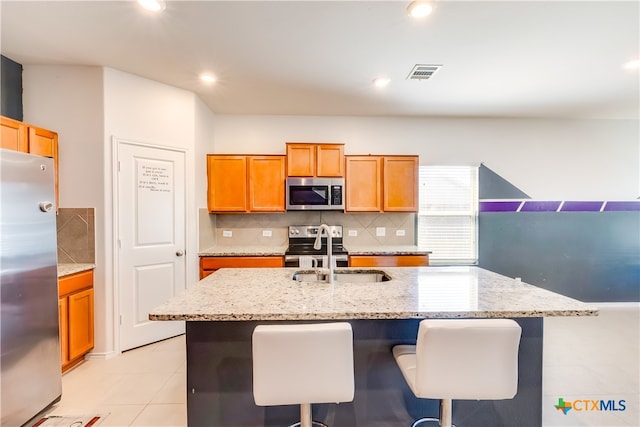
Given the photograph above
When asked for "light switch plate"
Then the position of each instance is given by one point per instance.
(227, 233)
(381, 231)
(266, 233)
(399, 232)
(353, 233)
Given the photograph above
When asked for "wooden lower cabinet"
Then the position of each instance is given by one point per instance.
(76, 313)
(63, 314)
(388, 260)
(80, 323)
(209, 265)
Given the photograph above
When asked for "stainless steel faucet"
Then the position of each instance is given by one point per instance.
(318, 244)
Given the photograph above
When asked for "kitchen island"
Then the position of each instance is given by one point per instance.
(223, 309)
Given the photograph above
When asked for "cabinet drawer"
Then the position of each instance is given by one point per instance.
(209, 265)
(389, 261)
(75, 282)
(213, 263)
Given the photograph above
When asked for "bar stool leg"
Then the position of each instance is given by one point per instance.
(445, 416)
(305, 415)
(305, 418)
(445, 413)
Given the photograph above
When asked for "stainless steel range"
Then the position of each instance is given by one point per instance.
(301, 239)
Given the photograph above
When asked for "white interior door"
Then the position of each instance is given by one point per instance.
(151, 239)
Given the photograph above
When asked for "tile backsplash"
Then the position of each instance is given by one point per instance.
(76, 235)
(247, 229)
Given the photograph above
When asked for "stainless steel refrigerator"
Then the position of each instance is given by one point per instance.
(30, 363)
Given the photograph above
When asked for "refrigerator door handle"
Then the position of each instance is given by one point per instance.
(46, 206)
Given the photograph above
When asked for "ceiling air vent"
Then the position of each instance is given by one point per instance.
(423, 72)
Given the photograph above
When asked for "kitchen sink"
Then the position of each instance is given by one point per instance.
(347, 276)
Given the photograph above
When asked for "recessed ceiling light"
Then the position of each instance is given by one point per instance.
(632, 65)
(207, 78)
(419, 9)
(153, 5)
(381, 81)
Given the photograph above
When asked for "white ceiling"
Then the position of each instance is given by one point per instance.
(500, 58)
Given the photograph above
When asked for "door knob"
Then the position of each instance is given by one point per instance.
(179, 253)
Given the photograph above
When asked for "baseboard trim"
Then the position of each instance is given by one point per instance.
(101, 356)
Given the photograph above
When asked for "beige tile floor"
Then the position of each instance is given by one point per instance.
(584, 358)
(595, 358)
(142, 387)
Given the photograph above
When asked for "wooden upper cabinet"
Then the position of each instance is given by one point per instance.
(43, 142)
(246, 183)
(400, 192)
(14, 135)
(301, 159)
(311, 160)
(19, 136)
(381, 183)
(227, 183)
(330, 160)
(267, 183)
(363, 184)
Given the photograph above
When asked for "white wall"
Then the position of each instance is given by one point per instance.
(69, 100)
(204, 136)
(88, 106)
(142, 110)
(547, 159)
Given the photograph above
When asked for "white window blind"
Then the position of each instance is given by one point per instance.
(448, 214)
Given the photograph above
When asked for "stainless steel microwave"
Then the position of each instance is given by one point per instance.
(315, 194)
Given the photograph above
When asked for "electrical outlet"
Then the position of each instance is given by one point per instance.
(381, 231)
(399, 232)
(266, 233)
(227, 233)
(353, 233)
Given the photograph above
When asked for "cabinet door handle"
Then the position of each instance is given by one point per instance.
(179, 253)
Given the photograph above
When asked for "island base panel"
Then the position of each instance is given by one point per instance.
(219, 381)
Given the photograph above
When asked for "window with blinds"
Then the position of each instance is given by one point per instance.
(448, 213)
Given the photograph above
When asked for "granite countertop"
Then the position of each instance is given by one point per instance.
(413, 292)
(67, 269)
(386, 250)
(280, 250)
(243, 251)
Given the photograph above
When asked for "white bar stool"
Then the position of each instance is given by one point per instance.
(468, 359)
(303, 364)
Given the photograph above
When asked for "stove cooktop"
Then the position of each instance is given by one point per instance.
(302, 238)
(307, 249)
